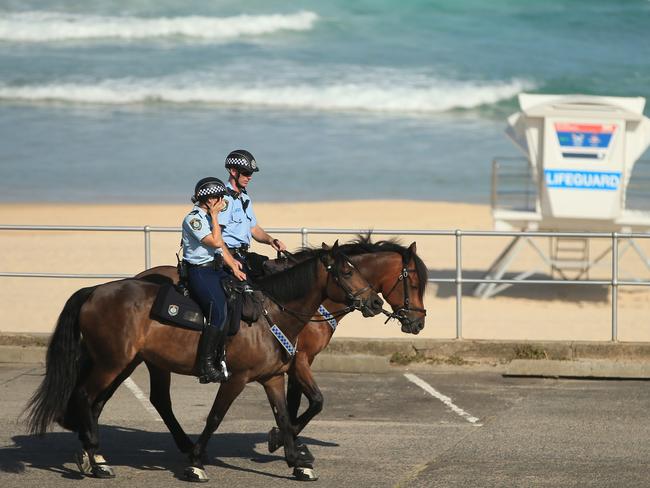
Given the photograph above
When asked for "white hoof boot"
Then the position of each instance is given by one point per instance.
(83, 463)
(305, 474)
(196, 474)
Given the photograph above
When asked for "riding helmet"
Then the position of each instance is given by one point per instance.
(209, 187)
(242, 160)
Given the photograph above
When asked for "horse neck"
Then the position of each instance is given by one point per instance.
(305, 307)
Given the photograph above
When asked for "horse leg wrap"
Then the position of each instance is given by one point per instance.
(305, 474)
(195, 474)
(275, 439)
(304, 455)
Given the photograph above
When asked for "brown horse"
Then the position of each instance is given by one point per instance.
(392, 269)
(105, 331)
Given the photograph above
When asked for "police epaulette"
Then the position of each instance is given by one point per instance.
(194, 212)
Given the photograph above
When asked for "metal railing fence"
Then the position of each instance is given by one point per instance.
(459, 280)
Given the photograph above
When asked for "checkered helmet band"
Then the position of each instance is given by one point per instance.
(242, 160)
(209, 187)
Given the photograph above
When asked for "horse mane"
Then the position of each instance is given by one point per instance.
(363, 244)
(293, 283)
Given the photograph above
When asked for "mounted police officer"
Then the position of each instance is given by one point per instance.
(238, 219)
(204, 254)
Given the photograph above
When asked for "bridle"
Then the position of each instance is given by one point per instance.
(401, 312)
(333, 271)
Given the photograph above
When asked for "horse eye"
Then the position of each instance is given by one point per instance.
(347, 274)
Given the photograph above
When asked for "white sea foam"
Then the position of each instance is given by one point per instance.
(43, 26)
(375, 90)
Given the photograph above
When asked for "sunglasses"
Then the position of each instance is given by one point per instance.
(247, 174)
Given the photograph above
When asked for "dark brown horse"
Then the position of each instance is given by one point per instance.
(392, 269)
(105, 331)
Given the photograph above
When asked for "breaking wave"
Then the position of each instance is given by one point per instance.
(43, 26)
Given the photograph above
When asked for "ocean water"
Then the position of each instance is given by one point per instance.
(133, 101)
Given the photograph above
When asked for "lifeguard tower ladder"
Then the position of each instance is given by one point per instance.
(580, 152)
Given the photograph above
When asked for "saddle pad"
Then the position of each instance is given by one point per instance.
(174, 308)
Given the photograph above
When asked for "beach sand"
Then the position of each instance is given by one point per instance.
(524, 312)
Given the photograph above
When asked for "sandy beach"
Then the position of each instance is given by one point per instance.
(532, 312)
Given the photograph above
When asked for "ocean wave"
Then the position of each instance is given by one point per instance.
(42, 26)
(439, 96)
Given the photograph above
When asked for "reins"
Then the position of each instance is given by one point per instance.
(357, 303)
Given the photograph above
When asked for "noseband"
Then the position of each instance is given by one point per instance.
(402, 311)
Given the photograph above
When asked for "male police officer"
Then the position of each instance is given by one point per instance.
(237, 220)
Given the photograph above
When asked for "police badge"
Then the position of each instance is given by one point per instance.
(225, 205)
(196, 224)
(253, 164)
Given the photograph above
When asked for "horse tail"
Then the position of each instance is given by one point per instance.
(62, 367)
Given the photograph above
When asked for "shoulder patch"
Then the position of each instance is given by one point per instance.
(196, 224)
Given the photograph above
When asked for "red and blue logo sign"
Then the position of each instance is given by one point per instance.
(588, 141)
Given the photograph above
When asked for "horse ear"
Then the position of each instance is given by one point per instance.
(335, 247)
(413, 247)
(325, 246)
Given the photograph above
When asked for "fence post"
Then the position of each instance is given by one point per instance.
(147, 247)
(459, 286)
(614, 287)
(303, 232)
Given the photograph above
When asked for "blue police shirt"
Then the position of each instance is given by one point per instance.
(237, 219)
(196, 225)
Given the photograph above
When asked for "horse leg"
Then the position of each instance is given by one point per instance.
(301, 380)
(88, 401)
(301, 462)
(159, 381)
(227, 393)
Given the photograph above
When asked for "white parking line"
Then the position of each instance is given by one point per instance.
(443, 398)
(137, 392)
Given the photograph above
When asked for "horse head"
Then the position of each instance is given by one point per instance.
(347, 285)
(406, 295)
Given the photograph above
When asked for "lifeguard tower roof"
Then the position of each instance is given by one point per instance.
(581, 150)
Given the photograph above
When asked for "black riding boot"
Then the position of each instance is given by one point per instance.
(210, 342)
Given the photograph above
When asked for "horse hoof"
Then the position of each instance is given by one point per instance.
(304, 454)
(305, 474)
(196, 475)
(103, 471)
(83, 463)
(275, 439)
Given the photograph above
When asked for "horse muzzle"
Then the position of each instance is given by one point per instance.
(412, 326)
(371, 306)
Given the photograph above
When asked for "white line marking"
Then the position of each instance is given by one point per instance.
(444, 399)
(137, 392)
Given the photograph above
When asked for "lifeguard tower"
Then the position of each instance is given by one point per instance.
(580, 151)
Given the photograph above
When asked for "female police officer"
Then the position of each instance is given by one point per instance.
(205, 253)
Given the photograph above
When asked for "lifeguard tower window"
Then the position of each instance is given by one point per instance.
(578, 174)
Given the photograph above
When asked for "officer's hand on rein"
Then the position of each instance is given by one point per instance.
(236, 267)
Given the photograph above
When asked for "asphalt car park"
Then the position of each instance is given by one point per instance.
(407, 428)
